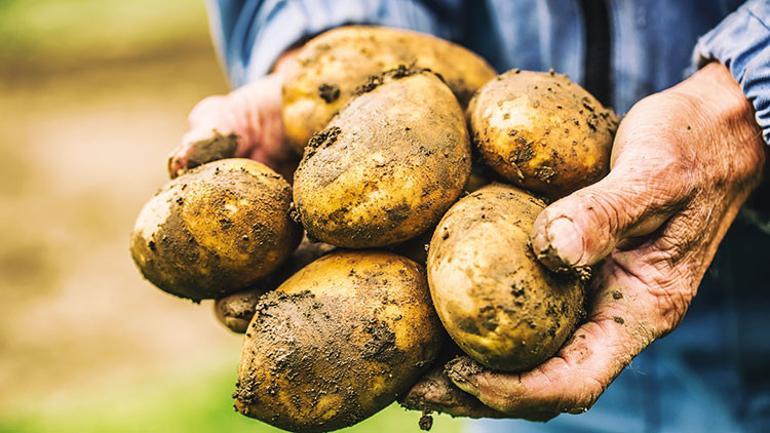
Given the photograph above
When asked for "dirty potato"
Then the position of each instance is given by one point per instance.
(215, 230)
(236, 310)
(337, 342)
(332, 65)
(496, 301)
(542, 132)
(387, 166)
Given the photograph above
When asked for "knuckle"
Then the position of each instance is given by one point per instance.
(604, 209)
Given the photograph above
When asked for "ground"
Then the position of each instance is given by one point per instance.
(94, 96)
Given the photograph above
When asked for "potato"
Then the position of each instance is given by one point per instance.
(542, 132)
(331, 66)
(387, 166)
(215, 230)
(337, 342)
(236, 310)
(496, 301)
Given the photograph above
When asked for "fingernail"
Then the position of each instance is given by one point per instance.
(565, 241)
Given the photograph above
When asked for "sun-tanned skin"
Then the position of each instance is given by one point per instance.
(684, 161)
(252, 113)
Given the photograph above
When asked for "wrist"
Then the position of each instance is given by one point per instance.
(719, 99)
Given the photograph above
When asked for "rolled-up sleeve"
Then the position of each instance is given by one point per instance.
(251, 35)
(742, 43)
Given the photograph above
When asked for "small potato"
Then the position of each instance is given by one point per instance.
(215, 230)
(337, 342)
(236, 310)
(387, 166)
(435, 392)
(331, 66)
(496, 301)
(542, 132)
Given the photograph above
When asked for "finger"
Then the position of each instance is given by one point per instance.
(574, 379)
(207, 108)
(256, 110)
(250, 119)
(193, 153)
(436, 393)
(584, 227)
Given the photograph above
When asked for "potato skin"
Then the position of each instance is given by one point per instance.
(337, 342)
(542, 132)
(387, 166)
(235, 310)
(324, 80)
(496, 301)
(215, 230)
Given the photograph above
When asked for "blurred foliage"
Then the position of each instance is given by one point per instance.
(95, 93)
(186, 402)
(54, 31)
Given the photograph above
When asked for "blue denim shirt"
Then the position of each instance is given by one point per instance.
(653, 41)
(712, 374)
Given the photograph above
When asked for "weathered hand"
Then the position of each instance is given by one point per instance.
(683, 163)
(244, 123)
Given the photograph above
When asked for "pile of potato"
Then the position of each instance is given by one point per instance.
(341, 323)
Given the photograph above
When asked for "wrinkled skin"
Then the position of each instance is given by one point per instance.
(683, 163)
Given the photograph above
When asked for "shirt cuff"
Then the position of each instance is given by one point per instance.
(742, 43)
(278, 25)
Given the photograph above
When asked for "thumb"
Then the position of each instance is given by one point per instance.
(581, 229)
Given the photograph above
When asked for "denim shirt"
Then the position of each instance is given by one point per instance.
(653, 41)
(712, 374)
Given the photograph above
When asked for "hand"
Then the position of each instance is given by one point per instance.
(245, 123)
(684, 160)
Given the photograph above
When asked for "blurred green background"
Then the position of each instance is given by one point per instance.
(93, 96)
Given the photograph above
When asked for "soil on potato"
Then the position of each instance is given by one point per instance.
(292, 362)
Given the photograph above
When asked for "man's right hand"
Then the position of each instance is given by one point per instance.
(250, 116)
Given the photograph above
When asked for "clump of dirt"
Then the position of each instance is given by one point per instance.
(321, 140)
(426, 421)
(401, 71)
(329, 92)
(218, 146)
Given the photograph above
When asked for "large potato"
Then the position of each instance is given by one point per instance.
(496, 301)
(215, 230)
(337, 342)
(387, 166)
(542, 132)
(236, 309)
(332, 65)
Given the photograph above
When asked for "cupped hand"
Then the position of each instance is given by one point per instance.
(245, 123)
(684, 161)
